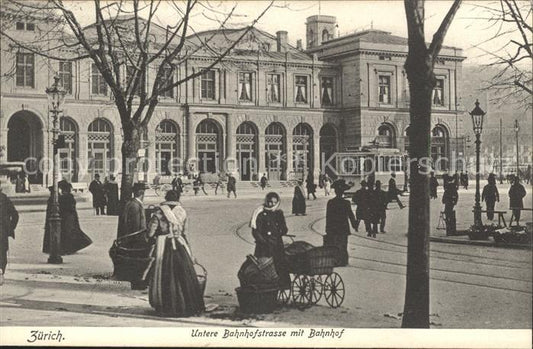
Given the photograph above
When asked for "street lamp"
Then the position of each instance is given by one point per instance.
(477, 115)
(56, 95)
(516, 129)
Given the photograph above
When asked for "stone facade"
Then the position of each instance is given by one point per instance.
(341, 94)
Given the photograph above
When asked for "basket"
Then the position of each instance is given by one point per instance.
(322, 260)
(259, 271)
(257, 301)
(201, 274)
(296, 255)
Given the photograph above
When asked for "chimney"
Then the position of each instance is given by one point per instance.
(299, 44)
(282, 38)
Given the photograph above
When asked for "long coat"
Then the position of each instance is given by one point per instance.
(516, 194)
(271, 226)
(360, 199)
(9, 218)
(133, 218)
(97, 189)
(298, 201)
(232, 184)
(433, 184)
(111, 191)
(339, 216)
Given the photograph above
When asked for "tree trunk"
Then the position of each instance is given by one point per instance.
(421, 82)
(130, 148)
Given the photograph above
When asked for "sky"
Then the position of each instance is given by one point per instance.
(467, 30)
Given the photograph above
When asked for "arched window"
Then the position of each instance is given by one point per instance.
(302, 147)
(67, 155)
(99, 147)
(275, 141)
(325, 35)
(385, 136)
(207, 145)
(439, 147)
(166, 148)
(246, 150)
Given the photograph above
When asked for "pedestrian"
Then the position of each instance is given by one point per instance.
(339, 217)
(516, 194)
(466, 180)
(19, 184)
(433, 185)
(373, 210)
(490, 195)
(268, 226)
(298, 199)
(449, 199)
(381, 205)
(72, 238)
(196, 185)
(220, 184)
(232, 185)
(174, 289)
(133, 220)
(9, 218)
(310, 185)
(370, 180)
(456, 180)
(111, 193)
(360, 199)
(321, 180)
(263, 181)
(177, 183)
(201, 184)
(97, 190)
(327, 184)
(27, 188)
(393, 191)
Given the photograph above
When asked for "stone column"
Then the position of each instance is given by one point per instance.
(316, 155)
(231, 158)
(83, 161)
(289, 157)
(261, 154)
(190, 135)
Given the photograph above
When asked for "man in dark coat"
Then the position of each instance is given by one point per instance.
(393, 191)
(339, 216)
(310, 185)
(433, 185)
(449, 199)
(516, 194)
(232, 185)
(9, 218)
(381, 204)
(298, 199)
(177, 183)
(111, 193)
(132, 220)
(360, 199)
(490, 195)
(97, 189)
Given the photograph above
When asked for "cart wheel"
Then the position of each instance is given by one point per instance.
(334, 290)
(284, 296)
(315, 287)
(300, 287)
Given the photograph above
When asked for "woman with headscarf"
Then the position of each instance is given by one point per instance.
(174, 289)
(268, 226)
(298, 200)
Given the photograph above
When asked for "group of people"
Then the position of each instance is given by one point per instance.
(199, 185)
(105, 195)
(458, 180)
(22, 183)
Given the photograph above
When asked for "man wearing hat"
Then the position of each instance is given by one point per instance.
(97, 189)
(360, 199)
(133, 218)
(339, 216)
(9, 218)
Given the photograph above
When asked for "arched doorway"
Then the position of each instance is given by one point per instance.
(167, 147)
(100, 147)
(67, 155)
(246, 137)
(328, 147)
(25, 143)
(302, 148)
(440, 147)
(275, 148)
(207, 145)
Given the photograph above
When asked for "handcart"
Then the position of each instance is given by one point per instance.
(312, 275)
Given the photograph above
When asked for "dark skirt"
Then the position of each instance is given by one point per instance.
(174, 288)
(341, 242)
(72, 238)
(298, 205)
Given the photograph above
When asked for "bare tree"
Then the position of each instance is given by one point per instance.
(419, 67)
(510, 50)
(130, 34)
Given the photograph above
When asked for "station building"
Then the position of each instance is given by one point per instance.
(288, 108)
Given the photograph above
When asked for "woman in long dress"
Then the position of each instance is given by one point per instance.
(72, 237)
(268, 226)
(173, 287)
(298, 200)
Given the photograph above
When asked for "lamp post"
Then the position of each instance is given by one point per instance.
(477, 115)
(56, 95)
(516, 129)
